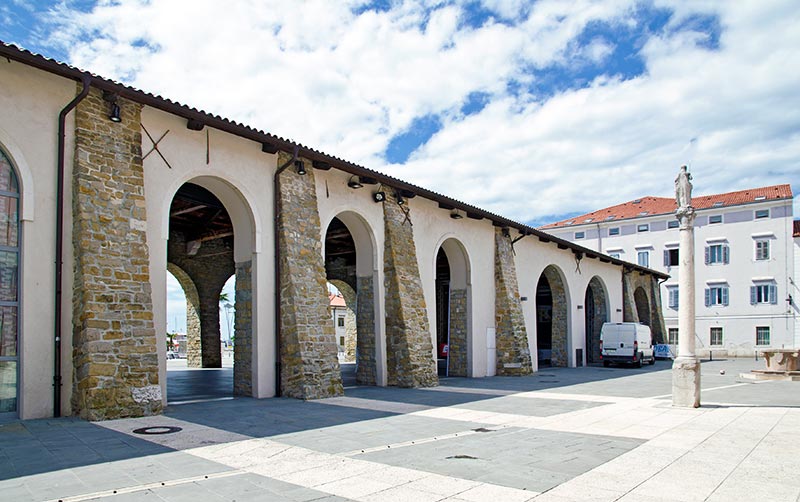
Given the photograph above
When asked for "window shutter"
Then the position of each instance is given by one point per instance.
(676, 297)
(753, 293)
(773, 294)
(666, 257)
(765, 251)
(708, 258)
(726, 254)
(725, 296)
(708, 295)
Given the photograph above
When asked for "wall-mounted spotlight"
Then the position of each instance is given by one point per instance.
(379, 196)
(114, 114)
(400, 199)
(455, 214)
(354, 182)
(300, 166)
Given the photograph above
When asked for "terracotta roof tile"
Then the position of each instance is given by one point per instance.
(648, 206)
(336, 300)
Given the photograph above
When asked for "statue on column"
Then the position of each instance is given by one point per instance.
(683, 195)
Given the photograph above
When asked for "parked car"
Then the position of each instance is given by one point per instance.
(626, 342)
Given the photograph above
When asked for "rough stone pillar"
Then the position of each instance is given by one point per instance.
(209, 324)
(409, 350)
(310, 367)
(193, 347)
(686, 367)
(457, 355)
(114, 340)
(629, 313)
(513, 353)
(366, 367)
(243, 329)
(657, 326)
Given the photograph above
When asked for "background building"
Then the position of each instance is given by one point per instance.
(744, 269)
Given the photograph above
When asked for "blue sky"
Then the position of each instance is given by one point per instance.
(533, 110)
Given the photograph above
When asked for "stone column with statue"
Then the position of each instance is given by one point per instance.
(686, 367)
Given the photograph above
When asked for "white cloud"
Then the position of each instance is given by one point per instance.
(344, 83)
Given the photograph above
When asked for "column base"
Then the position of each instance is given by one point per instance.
(686, 382)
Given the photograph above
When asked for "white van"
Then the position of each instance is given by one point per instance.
(626, 342)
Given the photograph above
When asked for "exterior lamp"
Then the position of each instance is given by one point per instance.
(300, 166)
(455, 214)
(400, 200)
(354, 183)
(114, 114)
(379, 196)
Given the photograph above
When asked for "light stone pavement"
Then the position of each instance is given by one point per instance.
(559, 435)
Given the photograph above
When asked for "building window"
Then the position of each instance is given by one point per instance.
(717, 254)
(614, 255)
(613, 231)
(341, 341)
(9, 275)
(673, 297)
(340, 322)
(762, 250)
(671, 257)
(717, 295)
(644, 227)
(763, 293)
(717, 218)
(673, 224)
(643, 258)
(716, 336)
(762, 335)
(762, 213)
(580, 235)
(672, 336)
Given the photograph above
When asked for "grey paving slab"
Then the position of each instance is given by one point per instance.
(529, 406)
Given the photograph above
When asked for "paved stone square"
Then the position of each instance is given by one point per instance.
(557, 435)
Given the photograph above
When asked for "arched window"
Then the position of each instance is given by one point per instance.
(9, 286)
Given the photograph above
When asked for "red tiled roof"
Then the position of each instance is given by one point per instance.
(796, 232)
(649, 206)
(336, 300)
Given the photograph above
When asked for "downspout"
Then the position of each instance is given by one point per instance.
(62, 119)
(275, 210)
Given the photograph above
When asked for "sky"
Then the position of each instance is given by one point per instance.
(537, 111)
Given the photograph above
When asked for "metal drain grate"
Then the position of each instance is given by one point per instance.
(158, 429)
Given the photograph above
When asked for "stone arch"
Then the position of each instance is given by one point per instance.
(642, 305)
(192, 315)
(358, 273)
(453, 305)
(552, 317)
(225, 255)
(595, 314)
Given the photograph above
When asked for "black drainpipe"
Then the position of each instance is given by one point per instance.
(275, 209)
(62, 119)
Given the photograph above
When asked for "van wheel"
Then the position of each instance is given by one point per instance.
(652, 360)
(606, 364)
(638, 362)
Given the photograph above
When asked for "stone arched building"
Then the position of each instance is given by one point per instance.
(105, 188)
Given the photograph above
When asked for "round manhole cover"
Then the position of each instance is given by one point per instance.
(158, 429)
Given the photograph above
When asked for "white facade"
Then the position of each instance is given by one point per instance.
(745, 268)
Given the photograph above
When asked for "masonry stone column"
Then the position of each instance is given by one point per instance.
(457, 352)
(243, 331)
(310, 366)
(686, 367)
(513, 352)
(114, 339)
(366, 367)
(409, 350)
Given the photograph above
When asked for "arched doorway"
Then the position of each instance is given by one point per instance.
(452, 309)
(205, 249)
(551, 318)
(9, 288)
(349, 259)
(596, 313)
(642, 305)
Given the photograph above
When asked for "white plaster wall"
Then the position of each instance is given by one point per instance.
(738, 319)
(240, 175)
(30, 102)
(794, 290)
